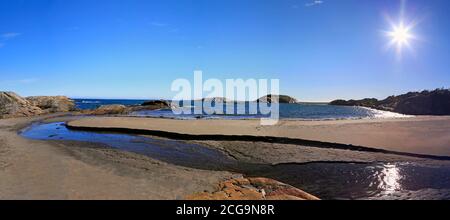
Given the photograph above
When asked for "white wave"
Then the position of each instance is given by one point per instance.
(90, 102)
(386, 114)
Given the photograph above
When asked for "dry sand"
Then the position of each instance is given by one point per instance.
(429, 135)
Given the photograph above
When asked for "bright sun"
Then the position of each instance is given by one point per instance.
(400, 35)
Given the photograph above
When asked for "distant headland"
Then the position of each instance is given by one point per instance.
(436, 102)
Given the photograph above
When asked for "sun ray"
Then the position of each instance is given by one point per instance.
(400, 36)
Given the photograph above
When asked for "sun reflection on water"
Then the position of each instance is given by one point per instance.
(389, 178)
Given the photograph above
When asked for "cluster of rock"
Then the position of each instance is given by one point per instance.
(151, 105)
(122, 109)
(108, 110)
(13, 105)
(253, 189)
(436, 102)
(52, 104)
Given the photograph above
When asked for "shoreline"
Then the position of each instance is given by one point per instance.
(73, 165)
(36, 169)
(378, 114)
(424, 135)
(33, 169)
(258, 139)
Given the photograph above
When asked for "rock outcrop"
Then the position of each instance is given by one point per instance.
(253, 189)
(52, 104)
(122, 109)
(150, 105)
(277, 99)
(12, 105)
(157, 104)
(363, 102)
(108, 110)
(435, 102)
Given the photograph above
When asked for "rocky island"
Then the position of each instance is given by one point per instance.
(281, 99)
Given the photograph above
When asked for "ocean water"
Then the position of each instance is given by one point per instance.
(242, 111)
(95, 103)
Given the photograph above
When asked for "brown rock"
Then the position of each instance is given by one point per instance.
(108, 110)
(150, 105)
(160, 103)
(253, 189)
(52, 104)
(12, 105)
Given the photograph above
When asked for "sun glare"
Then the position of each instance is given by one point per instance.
(400, 35)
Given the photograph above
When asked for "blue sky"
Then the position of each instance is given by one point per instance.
(320, 50)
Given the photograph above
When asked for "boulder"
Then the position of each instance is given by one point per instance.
(157, 103)
(253, 189)
(52, 104)
(12, 105)
(108, 110)
(150, 105)
(122, 109)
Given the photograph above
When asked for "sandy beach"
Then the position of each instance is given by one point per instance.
(35, 169)
(418, 135)
(32, 169)
(52, 169)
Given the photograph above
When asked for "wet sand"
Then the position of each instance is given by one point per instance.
(31, 169)
(64, 169)
(428, 135)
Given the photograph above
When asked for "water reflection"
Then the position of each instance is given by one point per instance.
(365, 181)
(389, 178)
